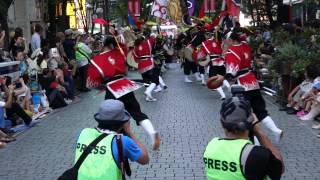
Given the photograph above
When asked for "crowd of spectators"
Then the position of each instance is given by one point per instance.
(304, 99)
(49, 71)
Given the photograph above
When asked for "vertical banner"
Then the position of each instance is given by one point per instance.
(209, 6)
(159, 9)
(134, 7)
(191, 6)
(175, 11)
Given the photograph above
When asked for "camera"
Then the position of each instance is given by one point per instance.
(237, 90)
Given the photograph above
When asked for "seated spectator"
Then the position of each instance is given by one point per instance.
(20, 56)
(54, 58)
(54, 91)
(68, 81)
(24, 99)
(314, 97)
(8, 92)
(296, 97)
(16, 110)
(36, 62)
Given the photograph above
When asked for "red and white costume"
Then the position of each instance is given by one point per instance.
(238, 60)
(110, 67)
(213, 48)
(143, 55)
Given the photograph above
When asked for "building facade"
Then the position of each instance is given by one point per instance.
(26, 13)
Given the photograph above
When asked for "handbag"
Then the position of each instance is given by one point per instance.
(72, 173)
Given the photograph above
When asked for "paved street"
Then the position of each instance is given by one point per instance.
(186, 116)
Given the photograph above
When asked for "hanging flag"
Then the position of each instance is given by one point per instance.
(175, 11)
(191, 6)
(209, 6)
(159, 9)
(133, 21)
(234, 7)
(134, 7)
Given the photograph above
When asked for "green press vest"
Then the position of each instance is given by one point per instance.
(222, 159)
(100, 164)
(80, 53)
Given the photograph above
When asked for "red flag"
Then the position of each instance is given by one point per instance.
(233, 8)
(100, 21)
(134, 7)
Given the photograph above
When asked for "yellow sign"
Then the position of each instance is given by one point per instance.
(72, 22)
(71, 9)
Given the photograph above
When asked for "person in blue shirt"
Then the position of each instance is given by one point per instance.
(113, 120)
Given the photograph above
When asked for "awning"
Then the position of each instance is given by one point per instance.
(287, 2)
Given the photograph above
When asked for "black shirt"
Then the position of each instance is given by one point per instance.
(262, 162)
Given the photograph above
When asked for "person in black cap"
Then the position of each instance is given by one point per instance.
(105, 159)
(235, 157)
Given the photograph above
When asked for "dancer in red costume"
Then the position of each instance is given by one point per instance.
(110, 67)
(238, 59)
(142, 53)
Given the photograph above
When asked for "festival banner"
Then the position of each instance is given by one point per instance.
(191, 7)
(175, 11)
(159, 9)
(134, 7)
(209, 6)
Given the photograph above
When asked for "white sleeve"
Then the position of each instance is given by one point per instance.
(87, 49)
(2, 103)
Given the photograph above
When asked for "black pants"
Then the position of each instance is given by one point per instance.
(131, 105)
(257, 103)
(18, 110)
(83, 77)
(189, 67)
(200, 69)
(217, 70)
(56, 99)
(151, 76)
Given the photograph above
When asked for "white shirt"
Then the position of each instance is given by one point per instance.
(2, 104)
(35, 41)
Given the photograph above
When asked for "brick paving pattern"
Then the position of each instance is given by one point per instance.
(187, 116)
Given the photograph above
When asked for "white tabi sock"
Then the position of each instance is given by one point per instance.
(220, 91)
(269, 123)
(226, 84)
(162, 82)
(149, 90)
(148, 127)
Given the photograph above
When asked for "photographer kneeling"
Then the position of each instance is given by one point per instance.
(234, 157)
